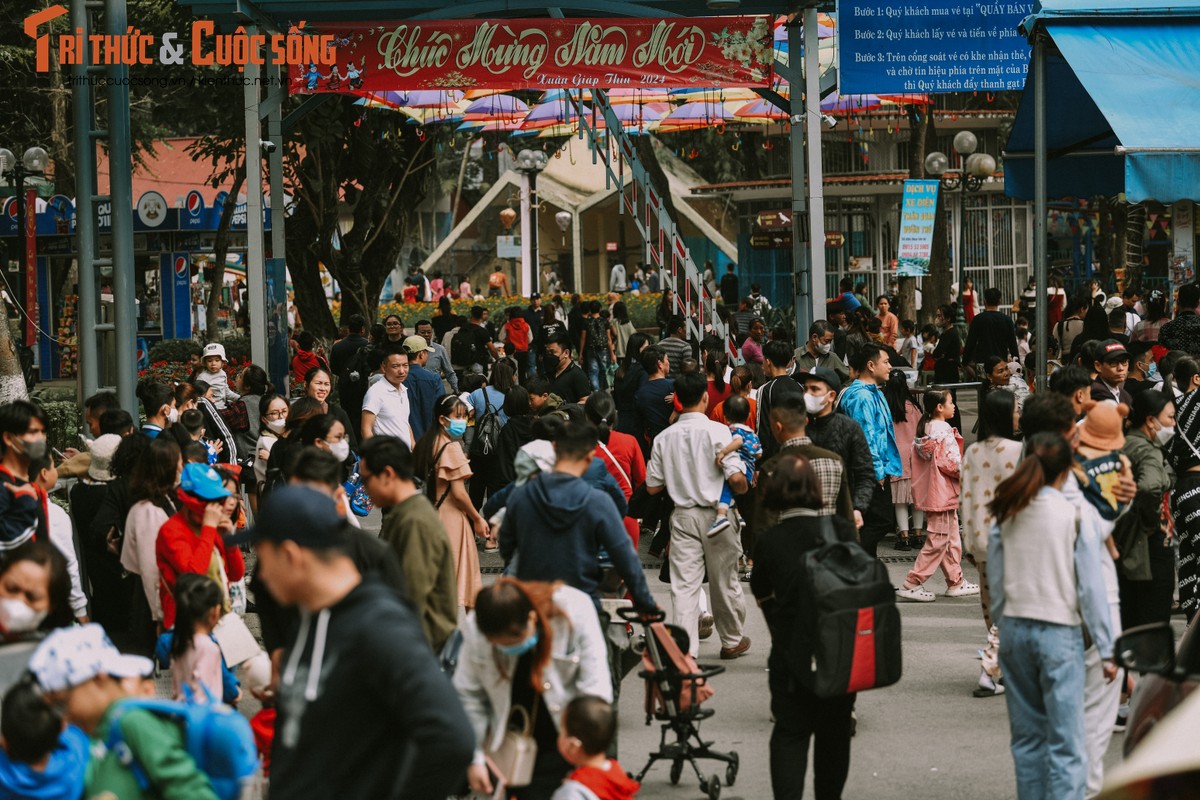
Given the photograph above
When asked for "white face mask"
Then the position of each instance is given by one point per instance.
(814, 404)
(173, 415)
(340, 450)
(277, 425)
(17, 617)
(824, 348)
(1164, 435)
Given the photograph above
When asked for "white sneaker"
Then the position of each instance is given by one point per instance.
(964, 589)
(918, 594)
(706, 625)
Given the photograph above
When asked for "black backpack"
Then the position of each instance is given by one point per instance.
(487, 430)
(842, 622)
(355, 374)
(462, 349)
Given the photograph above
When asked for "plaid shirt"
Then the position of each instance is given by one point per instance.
(829, 473)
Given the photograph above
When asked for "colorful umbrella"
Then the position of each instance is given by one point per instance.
(760, 111)
(434, 98)
(496, 106)
(695, 115)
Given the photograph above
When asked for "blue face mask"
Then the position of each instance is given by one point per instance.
(1152, 373)
(521, 648)
(456, 427)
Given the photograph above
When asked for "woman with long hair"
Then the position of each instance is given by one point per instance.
(517, 432)
(152, 489)
(439, 461)
(620, 452)
(790, 487)
(1156, 316)
(715, 364)
(1045, 567)
(629, 378)
(1146, 568)
(622, 329)
(273, 416)
(1058, 299)
(664, 312)
(318, 383)
(987, 462)
(905, 413)
(529, 649)
(286, 448)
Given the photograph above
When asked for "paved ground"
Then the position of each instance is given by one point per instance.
(924, 737)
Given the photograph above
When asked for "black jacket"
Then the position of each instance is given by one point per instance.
(518, 431)
(364, 710)
(844, 436)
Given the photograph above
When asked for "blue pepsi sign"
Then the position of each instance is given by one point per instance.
(931, 47)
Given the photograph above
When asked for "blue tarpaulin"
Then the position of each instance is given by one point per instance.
(1121, 103)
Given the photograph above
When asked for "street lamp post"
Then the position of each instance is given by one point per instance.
(974, 169)
(529, 164)
(33, 163)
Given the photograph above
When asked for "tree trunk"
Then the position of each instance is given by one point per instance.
(12, 381)
(220, 251)
(936, 286)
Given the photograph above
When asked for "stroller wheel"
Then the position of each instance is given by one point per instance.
(676, 771)
(731, 771)
(713, 789)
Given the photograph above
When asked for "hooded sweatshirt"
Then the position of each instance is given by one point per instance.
(558, 524)
(360, 674)
(62, 779)
(598, 783)
(936, 466)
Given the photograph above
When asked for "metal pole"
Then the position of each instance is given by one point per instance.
(22, 245)
(275, 161)
(85, 212)
(802, 276)
(816, 180)
(526, 232)
(1037, 72)
(527, 278)
(121, 189)
(256, 290)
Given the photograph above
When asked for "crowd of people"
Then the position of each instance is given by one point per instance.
(563, 440)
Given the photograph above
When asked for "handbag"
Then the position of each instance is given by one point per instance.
(517, 753)
(356, 492)
(235, 416)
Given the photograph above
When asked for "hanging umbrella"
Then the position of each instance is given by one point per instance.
(431, 116)
(496, 106)
(695, 115)
(711, 95)
(382, 99)
(434, 98)
(617, 96)
(760, 111)
(553, 113)
(489, 126)
(562, 95)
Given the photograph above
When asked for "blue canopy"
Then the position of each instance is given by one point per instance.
(1121, 106)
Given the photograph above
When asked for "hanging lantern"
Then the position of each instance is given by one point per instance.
(563, 218)
(507, 217)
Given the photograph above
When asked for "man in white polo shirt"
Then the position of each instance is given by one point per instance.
(683, 461)
(386, 408)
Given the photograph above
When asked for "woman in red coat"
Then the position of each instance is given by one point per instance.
(620, 452)
(191, 540)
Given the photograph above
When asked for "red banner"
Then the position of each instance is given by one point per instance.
(542, 54)
(30, 264)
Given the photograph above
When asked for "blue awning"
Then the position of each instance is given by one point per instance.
(1121, 104)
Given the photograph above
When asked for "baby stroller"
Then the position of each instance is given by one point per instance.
(675, 689)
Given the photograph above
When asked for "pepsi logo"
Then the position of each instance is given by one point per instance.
(195, 203)
(10, 208)
(181, 265)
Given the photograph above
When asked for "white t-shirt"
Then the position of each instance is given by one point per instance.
(63, 537)
(390, 406)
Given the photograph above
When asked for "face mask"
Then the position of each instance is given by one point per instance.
(824, 349)
(34, 448)
(173, 415)
(277, 425)
(929, 347)
(522, 648)
(456, 427)
(17, 617)
(550, 365)
(340, 450)
(1152, 373)
(1164, 434)
(814, 404)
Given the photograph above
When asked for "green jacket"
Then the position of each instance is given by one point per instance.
(414, 531)
(1153, 477)
(157, 745)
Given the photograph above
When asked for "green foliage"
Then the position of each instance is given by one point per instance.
(173, 350)
(641, 307)
(65, 420)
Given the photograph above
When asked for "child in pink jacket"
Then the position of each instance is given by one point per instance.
(937, 460)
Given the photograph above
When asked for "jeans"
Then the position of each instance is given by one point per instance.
(593, 365)
(800, 716)
(1044, 679)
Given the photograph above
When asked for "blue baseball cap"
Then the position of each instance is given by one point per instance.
(203, 481)
(300, 514)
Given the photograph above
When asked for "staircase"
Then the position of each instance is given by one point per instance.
(664, 244)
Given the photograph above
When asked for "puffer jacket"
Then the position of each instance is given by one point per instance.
(864, 403)
(844, 436)
(936, 464)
